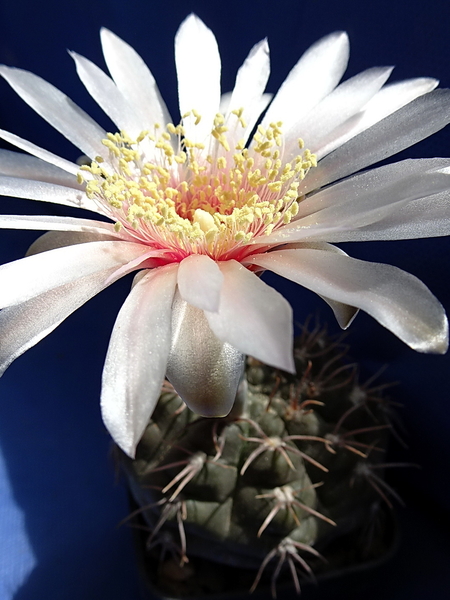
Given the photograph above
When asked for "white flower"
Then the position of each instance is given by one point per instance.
(200, 211)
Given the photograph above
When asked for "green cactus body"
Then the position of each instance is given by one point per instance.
(294, 468)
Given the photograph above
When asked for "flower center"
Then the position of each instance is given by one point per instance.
(172, 193)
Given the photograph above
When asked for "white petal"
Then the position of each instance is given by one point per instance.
(414, 122)
(23, 279)
(251, 81)
(45, 155)
(364, 199)
(314, 76)
(396, 299)
(149, 258)
(61, 239)
(252, 116)
(134, 80)
(200, 281)
(204, 370)
(344, 313)
(17, 164)
(253, 317)
(224, 102)
(49, 223)
(259, 107)
(24, 325)
(198, 70)
(389, 99)
(59, 110)
(395, 95)
(45, 192)
(107, 95)
(422, 218)
(372, 182)
(137, 356)
(342, 103)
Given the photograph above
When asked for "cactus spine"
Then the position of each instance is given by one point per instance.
(269, 490)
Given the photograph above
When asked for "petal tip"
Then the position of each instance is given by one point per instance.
(441, 346)
(108, 38)
(105, 32)
(119, 434)
(341, 36)
(6, 72)
(191, 21)
(209, 407)
(435, 344)
(290, 365)
(129, 450)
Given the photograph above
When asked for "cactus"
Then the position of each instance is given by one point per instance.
(272, 490)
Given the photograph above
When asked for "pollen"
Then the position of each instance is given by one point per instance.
(170, 192)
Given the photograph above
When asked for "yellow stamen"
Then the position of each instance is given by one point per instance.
(184, 198)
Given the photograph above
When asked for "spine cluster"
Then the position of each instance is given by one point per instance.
(269, 491)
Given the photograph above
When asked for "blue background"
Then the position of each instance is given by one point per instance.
(60, 503)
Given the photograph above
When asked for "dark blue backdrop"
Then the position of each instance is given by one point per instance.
(59, 503)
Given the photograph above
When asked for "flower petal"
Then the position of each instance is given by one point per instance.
(341, 104)
(411, 124)
(137, 356)
(61, 239)
(23, 279)
(396, 299)
(389, 99)
(47, 223)
(198, 70)
(24, 325)
(253, 317)
(200, 281)
(317, 72)
(422, 218)
(364, 199)
(107, 95)
(147, 260)
(204, 370)
(17, 164)
(225, 102)
(58, 110)
(38, 152)
(344, 313)
(376, 182)
(45, 192)
(252, 115)
(248, 91)
(252, 77)
(134, 80)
